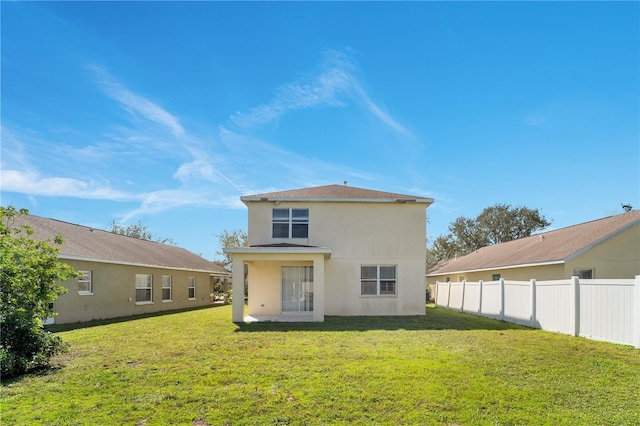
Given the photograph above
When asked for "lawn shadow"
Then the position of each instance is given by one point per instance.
(33, 372)
(435, 319)
(56, 328)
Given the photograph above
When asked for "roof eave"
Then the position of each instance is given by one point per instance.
(279, 250)
(144, 265)
(417, 200)
(493, 268)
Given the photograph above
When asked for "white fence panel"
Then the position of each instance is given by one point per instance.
(517, 302)
(455, 296)
(471, 297)
(442, 294)
(552, 301)
(603, 309)
(491, 299)
(607, 310)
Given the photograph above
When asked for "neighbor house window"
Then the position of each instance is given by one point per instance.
(166, 288)
(192, 288)
(144, 288)
(85, 285)
(585, 274)
(377, 280)
(495, 277)
(290, 223)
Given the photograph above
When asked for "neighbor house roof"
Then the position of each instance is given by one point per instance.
(556, 246)
(338, 193)
(85, 243)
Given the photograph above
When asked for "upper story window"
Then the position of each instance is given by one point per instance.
(290, 223)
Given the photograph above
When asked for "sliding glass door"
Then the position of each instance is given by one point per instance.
(297, 289)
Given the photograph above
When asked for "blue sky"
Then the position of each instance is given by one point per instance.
(168, 112)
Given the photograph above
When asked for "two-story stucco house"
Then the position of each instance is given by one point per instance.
(331, 250)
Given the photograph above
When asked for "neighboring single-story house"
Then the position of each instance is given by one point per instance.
(121, 275)
(331, 250)
(603, 248)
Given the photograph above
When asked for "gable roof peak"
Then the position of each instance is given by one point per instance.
(336, 193)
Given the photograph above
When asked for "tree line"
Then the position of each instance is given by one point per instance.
(497, 224)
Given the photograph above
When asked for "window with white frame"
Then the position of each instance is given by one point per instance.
(166, 288)
(290, 223)
(378, 280)
(192, 288)
(144, 288)
(85, 283)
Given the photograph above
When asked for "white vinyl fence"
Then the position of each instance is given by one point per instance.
(603, 309)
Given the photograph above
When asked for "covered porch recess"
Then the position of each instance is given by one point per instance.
(286, 283)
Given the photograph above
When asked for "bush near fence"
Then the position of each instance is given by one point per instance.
(600, 309)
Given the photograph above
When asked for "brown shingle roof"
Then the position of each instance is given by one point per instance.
(553, 246)
(336, 193)
(81, 242)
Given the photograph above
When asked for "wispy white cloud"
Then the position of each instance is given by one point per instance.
(384, 116)
(535, 120)
(202, 169)
(323, 89)
(255, 160)
(542, 115)
(33, 184)
(159, 201)
(187, 170)
(135, 104)
(333, 86)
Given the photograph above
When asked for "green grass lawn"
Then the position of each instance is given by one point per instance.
(445, 368)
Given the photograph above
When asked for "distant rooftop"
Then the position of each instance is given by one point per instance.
(85, 243)
(553, 246)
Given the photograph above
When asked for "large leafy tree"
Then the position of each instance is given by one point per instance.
(138, 230)
(233, 238)
(496, 224)
(30, 273)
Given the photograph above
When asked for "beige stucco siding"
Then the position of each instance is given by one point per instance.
(358, 233)
(114, 292)
(351, 230)
(343, 296)
(617, 257)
